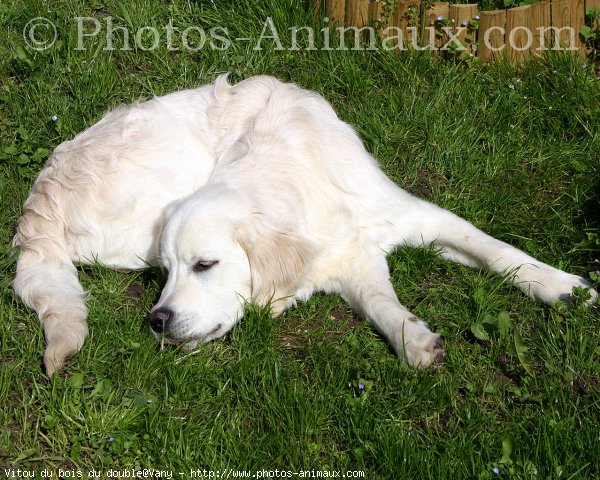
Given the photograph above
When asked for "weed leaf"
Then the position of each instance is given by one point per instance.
(507, 449)
(521, 351)
(503, 323)
(76, 380)
(479, 331)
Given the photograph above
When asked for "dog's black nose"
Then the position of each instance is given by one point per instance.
(159, 319)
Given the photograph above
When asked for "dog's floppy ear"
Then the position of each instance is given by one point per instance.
(167, 213)
(278, 259)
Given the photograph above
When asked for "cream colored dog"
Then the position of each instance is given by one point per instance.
(254, 192)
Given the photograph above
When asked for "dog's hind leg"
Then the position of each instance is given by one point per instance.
(462, 242)
(46, 281)
(370, 292)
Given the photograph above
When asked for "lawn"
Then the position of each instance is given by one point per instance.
(514, 152)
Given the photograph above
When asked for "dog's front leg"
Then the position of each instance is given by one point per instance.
(370, 292)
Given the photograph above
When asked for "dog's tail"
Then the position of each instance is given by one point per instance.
(46, 278)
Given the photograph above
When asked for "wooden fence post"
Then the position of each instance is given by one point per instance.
(316, 7)
(491, 34)
(336, 11)
(561, 18)
(381, 16)
(518, 38)
(402, 18)
(517, 32)
(577, 22)
(376, 14)
(538, 20)
(593, 5)
(435, 10)
(461, 14)
(357, 13)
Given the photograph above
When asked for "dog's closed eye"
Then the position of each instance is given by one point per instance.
(203, 265)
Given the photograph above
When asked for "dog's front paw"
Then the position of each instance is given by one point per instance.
(426, 353)
(418, 345)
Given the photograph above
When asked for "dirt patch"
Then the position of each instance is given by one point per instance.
(582, 386)
(346, 316)
(425, 183)
(135, 291)
(296, 332)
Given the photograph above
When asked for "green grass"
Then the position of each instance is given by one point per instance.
(516, 153)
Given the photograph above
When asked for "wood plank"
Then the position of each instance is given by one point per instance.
(376, 11)
(561, 18)
(316, 7)
(378, 16)
(593, 5)
(491, 34)
(402, 19)
(461, 14)
(539, 19)
(357, 13)
(518, 38)
(577, 22)
(336, 11)
(435, 10)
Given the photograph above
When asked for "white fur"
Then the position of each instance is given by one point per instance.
(261, 177)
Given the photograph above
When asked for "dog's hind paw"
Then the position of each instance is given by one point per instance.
(550, 285)
(63, 340)
(55, 356)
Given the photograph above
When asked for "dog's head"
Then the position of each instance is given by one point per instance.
(221, 251)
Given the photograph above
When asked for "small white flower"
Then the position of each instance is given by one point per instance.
(54, 118)
(440, 18)
(511, 86)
